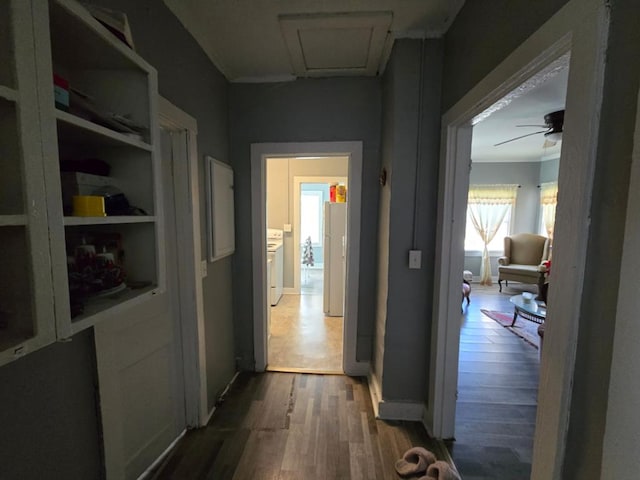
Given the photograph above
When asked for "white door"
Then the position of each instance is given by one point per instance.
(138, 354)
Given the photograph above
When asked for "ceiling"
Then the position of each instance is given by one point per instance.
(277, 40)
(526, 105)
(280, 40)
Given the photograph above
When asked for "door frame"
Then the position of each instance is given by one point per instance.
(187, 196)
(259, 153)
(582, 27)
(296, 218)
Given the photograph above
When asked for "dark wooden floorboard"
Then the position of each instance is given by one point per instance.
(281, 426)
(497, 394)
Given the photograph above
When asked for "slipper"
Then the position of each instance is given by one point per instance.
(440, 471)
(415, 460)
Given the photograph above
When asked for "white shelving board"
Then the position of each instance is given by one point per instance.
(8, 93)
(83, 132)
(113, 220)
(13, 220)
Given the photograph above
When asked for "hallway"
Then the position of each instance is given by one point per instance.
(295, 426)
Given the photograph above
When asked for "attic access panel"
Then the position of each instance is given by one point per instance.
(336, 44)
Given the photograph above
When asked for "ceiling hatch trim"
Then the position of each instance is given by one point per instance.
(336, 43)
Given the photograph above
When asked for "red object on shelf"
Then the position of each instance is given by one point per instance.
(61, 92)
(332, 193)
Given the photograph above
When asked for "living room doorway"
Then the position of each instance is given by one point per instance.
(515, 154)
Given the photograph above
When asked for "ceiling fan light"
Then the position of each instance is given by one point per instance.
(554, 136)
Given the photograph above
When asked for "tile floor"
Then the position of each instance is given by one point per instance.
(302, 338)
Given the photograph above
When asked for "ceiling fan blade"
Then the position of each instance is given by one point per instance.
(521, 136)
(539, 126)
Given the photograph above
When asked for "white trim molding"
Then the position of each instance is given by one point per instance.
(186, 185)
(259, 153)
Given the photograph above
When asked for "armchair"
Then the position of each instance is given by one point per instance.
(522, 260)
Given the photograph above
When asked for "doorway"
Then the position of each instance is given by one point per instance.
(259, 155)
(575, 180)
(305, 263)
(512, 191)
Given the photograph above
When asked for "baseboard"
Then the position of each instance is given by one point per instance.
(155, 467)
(375, 393)
(358, 369)
(410, 411)
(392, 410)
(221, 396)
(427, 421)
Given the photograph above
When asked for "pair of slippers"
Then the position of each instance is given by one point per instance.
(418, 460)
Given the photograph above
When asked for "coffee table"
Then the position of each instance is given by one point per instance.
(532, 310)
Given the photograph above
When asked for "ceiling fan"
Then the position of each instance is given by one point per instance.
(553, 122)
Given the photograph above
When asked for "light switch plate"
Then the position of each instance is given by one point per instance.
(415, 259)
(287, 228)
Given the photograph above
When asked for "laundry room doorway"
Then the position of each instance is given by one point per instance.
(307, 224)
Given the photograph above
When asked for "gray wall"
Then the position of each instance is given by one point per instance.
(483, 34)
(338, 109)
(410, 200)
(48, 413)
(549, 170)
(189, 80)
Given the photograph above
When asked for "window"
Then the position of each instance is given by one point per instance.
(548, 202)
(488, 213)
(311, 216)
(474, 243)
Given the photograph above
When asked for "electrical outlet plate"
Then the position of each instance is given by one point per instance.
(287, 228)
(415, 259)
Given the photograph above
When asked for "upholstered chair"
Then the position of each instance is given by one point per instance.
(522, 260)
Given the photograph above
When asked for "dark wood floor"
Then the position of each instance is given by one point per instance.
(295, 426)
(497, 394)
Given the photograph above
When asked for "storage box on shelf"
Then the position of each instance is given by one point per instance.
(111, 117)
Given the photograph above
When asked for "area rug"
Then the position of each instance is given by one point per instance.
(525, 329)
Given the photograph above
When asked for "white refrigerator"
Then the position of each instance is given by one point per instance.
(335, 222)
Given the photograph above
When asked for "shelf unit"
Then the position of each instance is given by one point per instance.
(37, 39)
(26, 289)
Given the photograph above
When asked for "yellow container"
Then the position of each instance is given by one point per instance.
(341, 194)
(88, 206)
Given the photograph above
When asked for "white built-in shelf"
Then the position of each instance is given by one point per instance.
(76, 130)
(13, 220)
(113, 220)
(96, 308)
(72, 26)
(8, 93)
(11, 344)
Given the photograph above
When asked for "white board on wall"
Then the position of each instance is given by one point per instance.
(220, 209)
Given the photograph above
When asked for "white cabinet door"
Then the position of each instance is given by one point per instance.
(140, 368)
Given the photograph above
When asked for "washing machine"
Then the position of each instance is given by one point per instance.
(275, 253)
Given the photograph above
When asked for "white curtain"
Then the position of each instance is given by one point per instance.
(488, 205)
(548, 202)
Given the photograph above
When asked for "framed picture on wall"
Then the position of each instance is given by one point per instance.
(220, 209)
